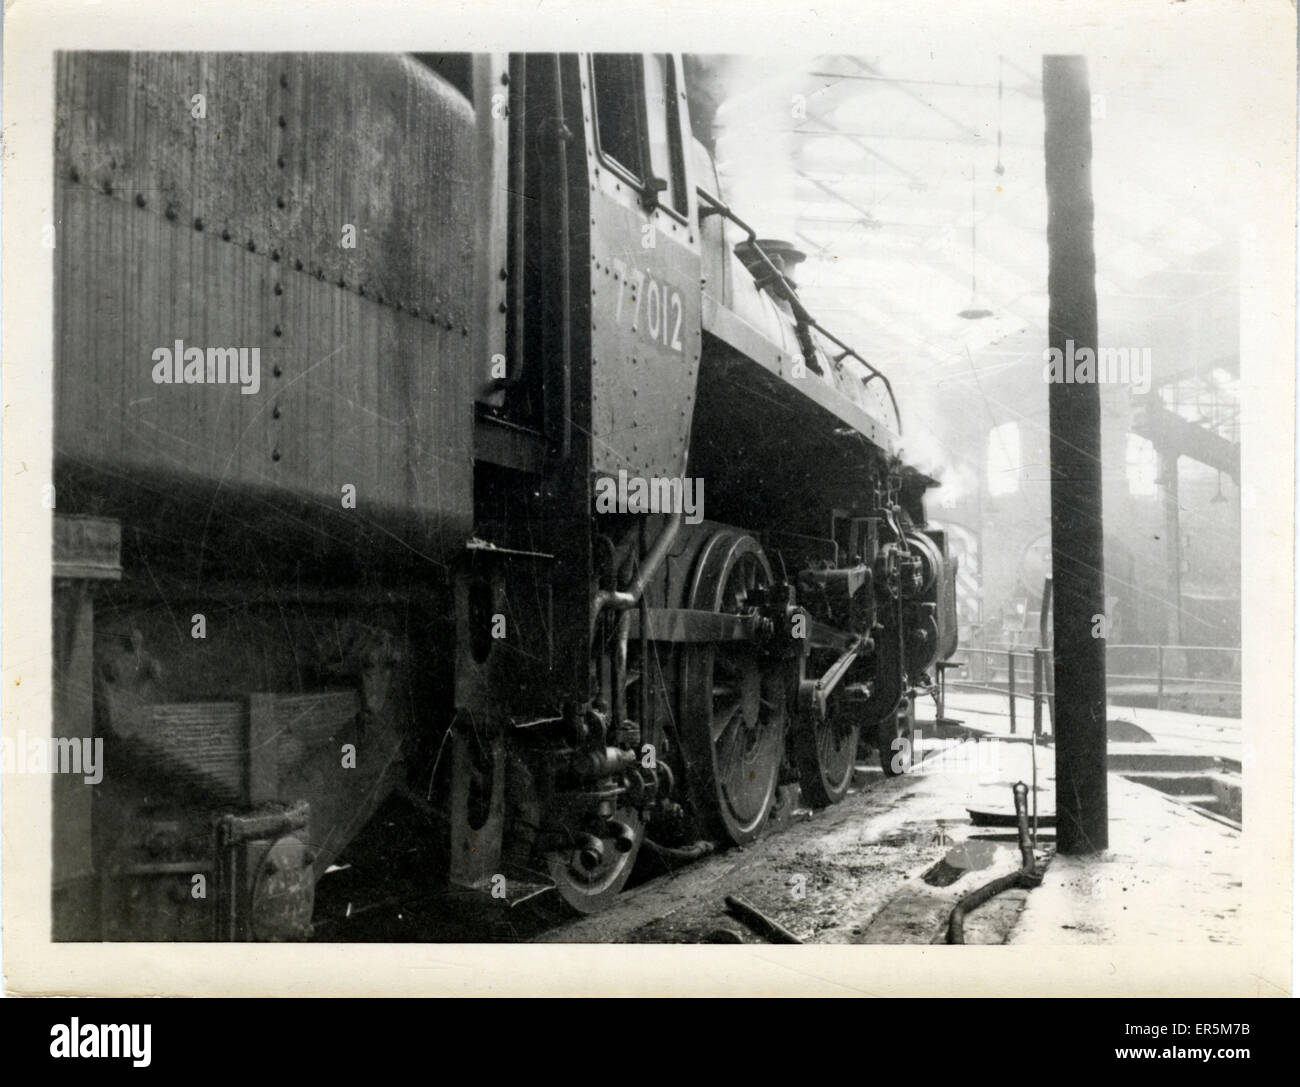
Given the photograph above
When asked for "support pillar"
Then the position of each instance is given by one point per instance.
(1075, 423)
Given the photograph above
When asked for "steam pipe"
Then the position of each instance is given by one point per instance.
(622, 599)
(624, 602)
(620, 667)
(644, 691)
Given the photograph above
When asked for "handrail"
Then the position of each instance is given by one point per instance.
(1042, 693)
(801, 314)
(982, 677)
(1029, 647)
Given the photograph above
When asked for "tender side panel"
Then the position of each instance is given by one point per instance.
(234, 229)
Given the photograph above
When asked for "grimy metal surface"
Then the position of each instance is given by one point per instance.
(234, 228)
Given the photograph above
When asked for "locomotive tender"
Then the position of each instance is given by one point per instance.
(359, 362)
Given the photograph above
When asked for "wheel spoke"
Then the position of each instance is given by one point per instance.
(737, 784)
(826, 750)
(723, 714)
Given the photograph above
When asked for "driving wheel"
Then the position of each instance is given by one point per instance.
(825, 750)
(733, 699)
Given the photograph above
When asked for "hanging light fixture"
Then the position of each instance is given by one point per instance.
(976, 312)
(973, 312)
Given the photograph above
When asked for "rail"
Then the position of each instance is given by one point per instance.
(801, 314)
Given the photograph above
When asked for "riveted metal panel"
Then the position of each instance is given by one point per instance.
(292, 148)
(645, 320)
(229, 230)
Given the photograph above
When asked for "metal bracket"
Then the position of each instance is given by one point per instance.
(650, 191)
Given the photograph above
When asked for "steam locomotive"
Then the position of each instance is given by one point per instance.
(430, 426)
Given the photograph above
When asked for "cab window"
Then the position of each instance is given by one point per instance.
(618, 109)
(664, 129)
(638, 121)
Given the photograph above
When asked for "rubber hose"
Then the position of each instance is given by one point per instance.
(1027, 876)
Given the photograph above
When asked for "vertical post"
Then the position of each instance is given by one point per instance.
(1160, 676)
(1173, 547)
(1011, 687)
(1033, 756)
(1044, 641)
(1038, 697)
(1049, 686)
(1074, 411)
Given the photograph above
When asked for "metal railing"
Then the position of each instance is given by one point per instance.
(801, 314)
(1160, 672)
(1019, 673)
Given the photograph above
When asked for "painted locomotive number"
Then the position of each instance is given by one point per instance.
(663, 306)
(652, 307)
